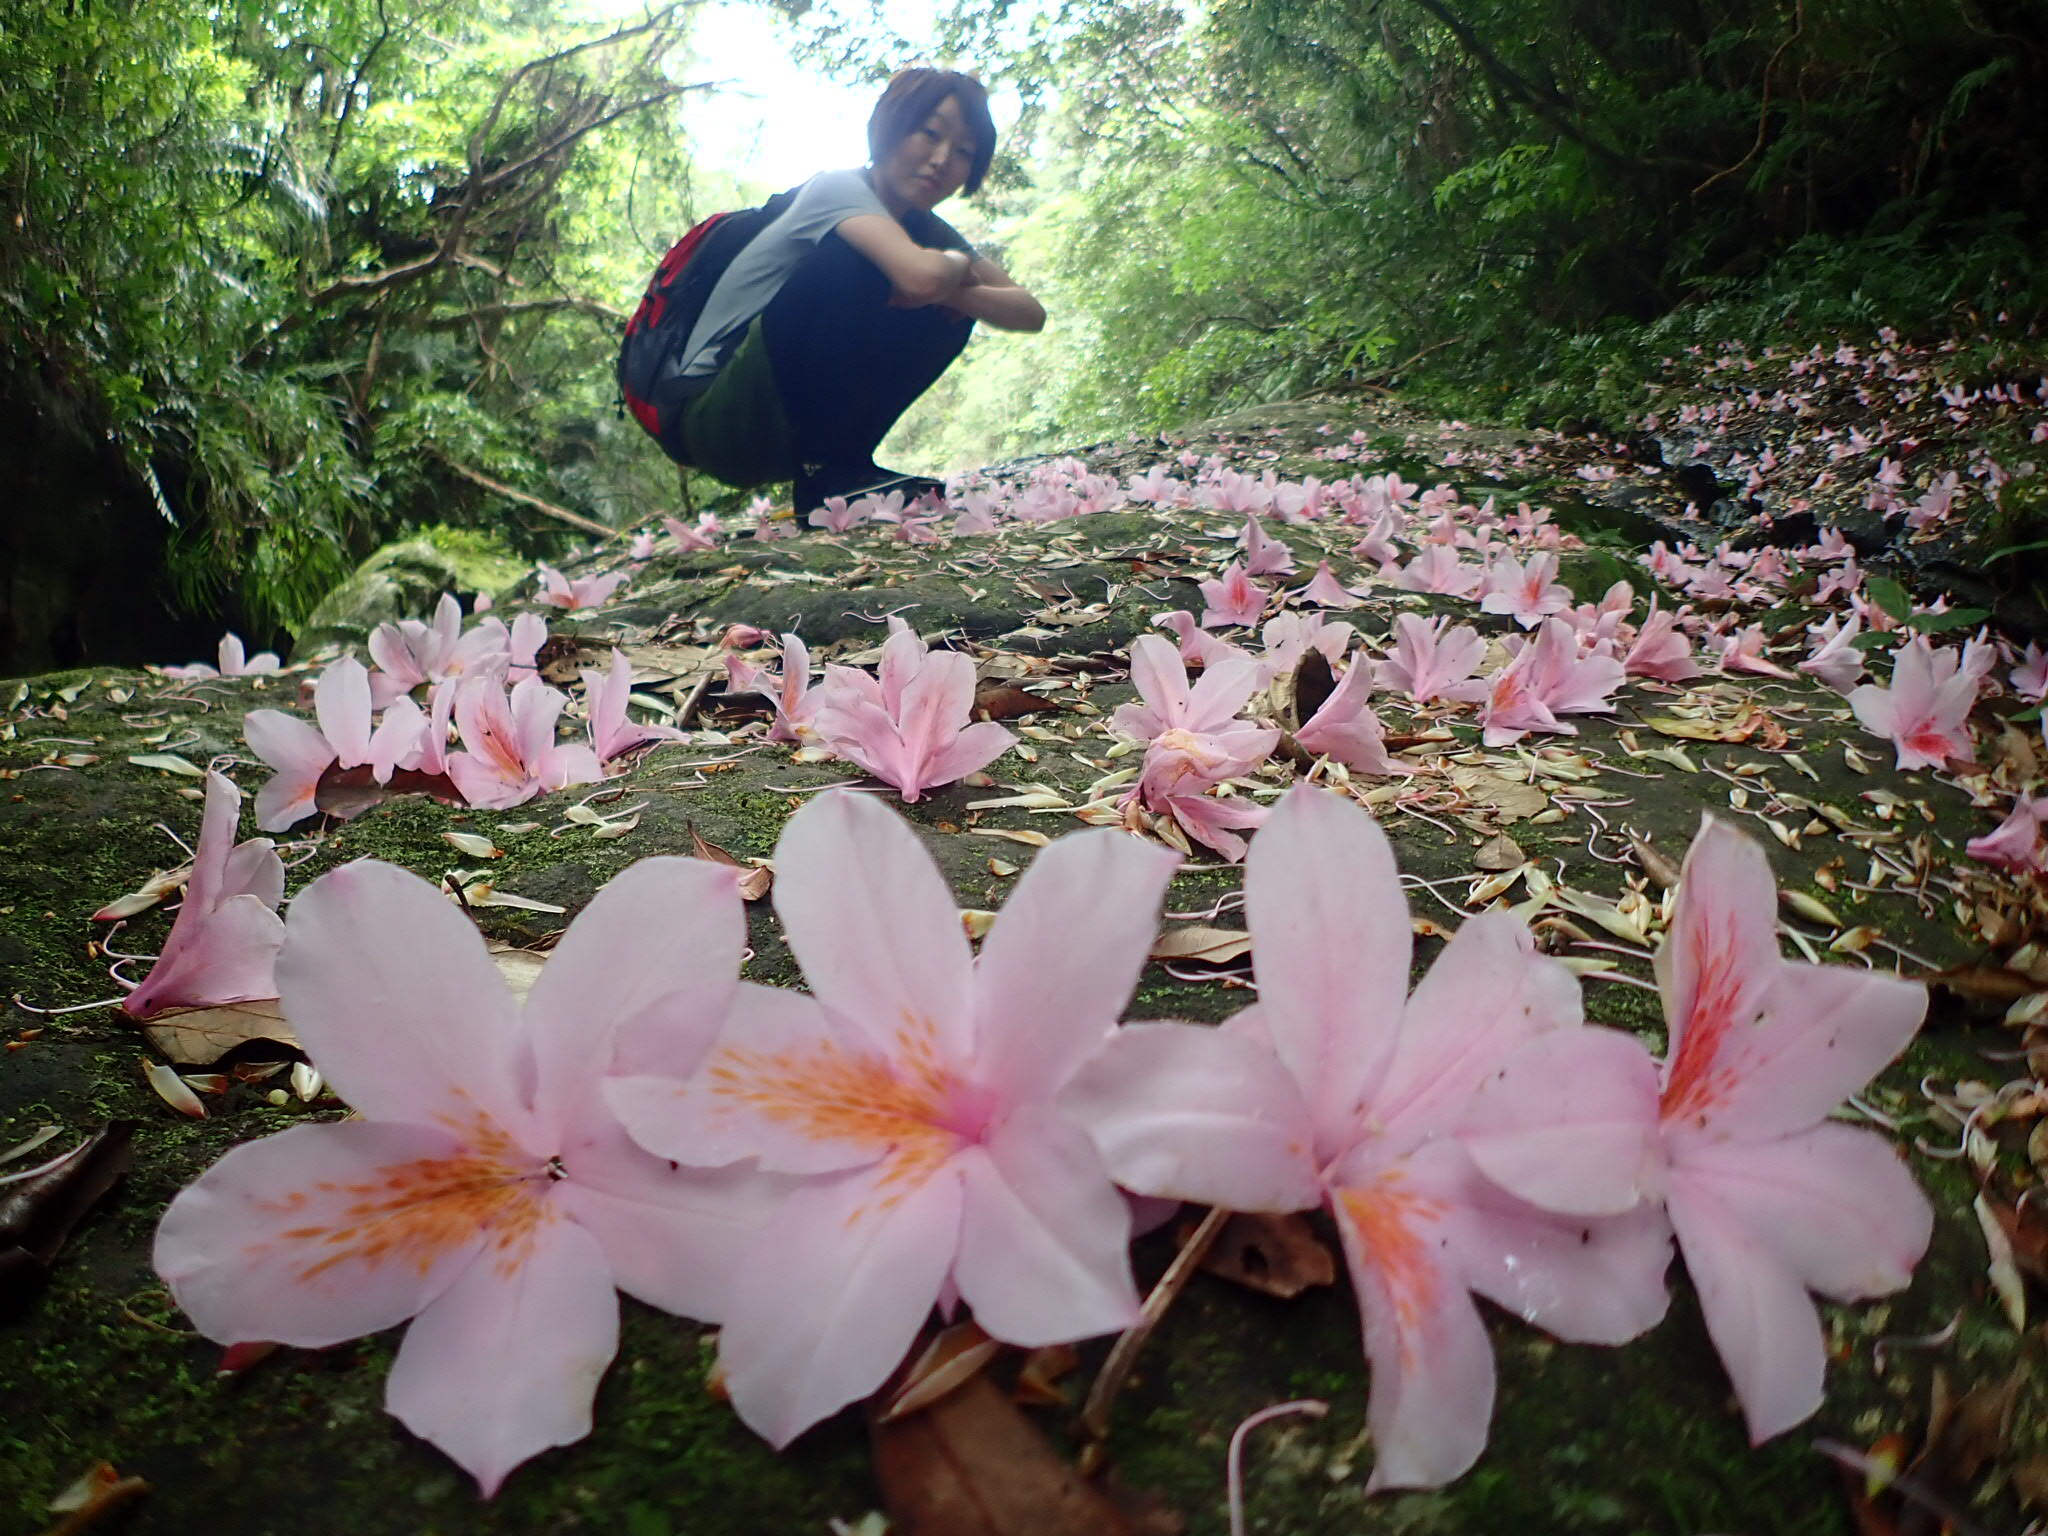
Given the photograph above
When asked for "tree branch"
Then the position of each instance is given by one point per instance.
(560, 514)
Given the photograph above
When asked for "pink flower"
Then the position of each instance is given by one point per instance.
(233, 662)
(1437, 569)
(1330, 1092)
(1291, 636)
(914, 1093)
(1264, 556)
(690, 539)
(1834, 659)
(1168, 703)
(1234, 598)
(2016, 845)
(1743, 651)
(410, 653)
(2030, 678)
(1661, 650)
(642, 546)
(512, 754)
(1326, 591)
(224, 942)
(1378, 545)
(583, 592)
(1926, 710)
(1546, 679)
(1345, 727)
(1198, 648)
(1429, 664)
(1531, 593)
(837, 514)
(484, 1191)
(606, 695)
(1769, 1198)
(789, 693)
(301, 752)
(909, 728)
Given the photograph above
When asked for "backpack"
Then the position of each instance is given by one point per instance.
(660, 328)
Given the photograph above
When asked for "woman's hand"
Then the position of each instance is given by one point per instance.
(992, 296)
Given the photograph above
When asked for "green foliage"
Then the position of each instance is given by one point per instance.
(305, 265)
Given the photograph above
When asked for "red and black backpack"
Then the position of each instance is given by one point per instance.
(675, 299)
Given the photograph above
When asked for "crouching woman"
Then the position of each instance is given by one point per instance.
(846, 308)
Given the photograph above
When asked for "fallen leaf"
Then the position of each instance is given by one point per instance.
(2002, 1270)
(995, 699)
(1210, 946)
(954, 1357)
(974, 1465)
(754, 879)
(198, 1037)
(146, 895)
(169, 762)
(473, 844)
(1499, 852)
(173, 1089)
(97, 1494)
(1038, 1381)
(39, 1207)
(1025, 836)
(1278, 1255)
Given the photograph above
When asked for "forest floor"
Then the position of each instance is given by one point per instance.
(1945, 1381)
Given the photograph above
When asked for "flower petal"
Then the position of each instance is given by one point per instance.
(341, 703)
(392, 994)
(226, 955)
(1569, 1123)
(656, 954)
(785, 1084)
(1330, 944)
(249, 1248)
(672, 1237)
(872, 922)
(1192, 1113)
(1060, 963)
(1835, 1204)
(831, 1294)
(1044, 1236)
(1757, 1311)
(1722, 954)
(506, 1363)
(298, 752)
(1488, 993)
(1432, 1366)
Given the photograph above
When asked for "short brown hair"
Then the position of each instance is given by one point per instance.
(914, 94)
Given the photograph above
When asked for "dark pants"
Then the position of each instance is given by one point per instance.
(821, 376)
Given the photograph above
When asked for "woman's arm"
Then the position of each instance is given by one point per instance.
(992, 296)
(918, 275)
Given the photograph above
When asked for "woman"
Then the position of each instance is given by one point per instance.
(847, 307)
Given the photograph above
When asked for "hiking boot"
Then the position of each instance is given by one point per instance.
(852, 480)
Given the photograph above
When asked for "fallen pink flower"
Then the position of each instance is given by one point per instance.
(910, 727)
(1198, 648)
(1428, 663)
(410, 653)
(1743, 651)
(1662, 650)
(1345, 727)
(301, 752)
(1546, 679)
(789, 693)
(838, 514)
(584, 592)
(1834, 658)
(1926, 710)
(1437, 569)
(223, 944)
(606, 694)
(1291, 636)
(1768, 1197)
(232, 662)
(1264, 556)
(914, 1093)
(2030, 678)
(1168, 703)
(2016, 845)
(1335, 1092)
(688, 539)
(1531, 592)
(484, 1190)
(1378, 545)
(511, 753)
(1326, 591)
(1233, 598)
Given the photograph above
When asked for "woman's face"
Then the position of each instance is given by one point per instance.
(930, 163)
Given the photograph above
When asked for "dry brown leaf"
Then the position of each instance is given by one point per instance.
(1278, 1255)
(96, 1496)
(1038, 1382)
(198, 1037)
(146, 895)
(1508, 799)
(952, 1359)
(974, 1465)
(1209, 946)
(995, 699)
(1498, 853)
(754, 879)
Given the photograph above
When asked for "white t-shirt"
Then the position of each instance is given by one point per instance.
(757, 274)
